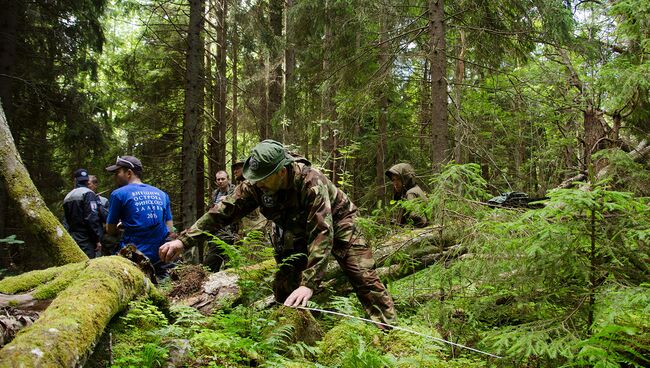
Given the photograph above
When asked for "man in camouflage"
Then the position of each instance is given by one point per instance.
(317, 220)
(402, 176)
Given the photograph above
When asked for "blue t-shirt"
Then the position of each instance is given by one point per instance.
(143, 210)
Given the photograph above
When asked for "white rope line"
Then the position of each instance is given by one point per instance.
(397, 328)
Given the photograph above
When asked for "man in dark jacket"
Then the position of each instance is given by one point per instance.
(402, 176)
(318, 222)
(215, 257)
(82, 215)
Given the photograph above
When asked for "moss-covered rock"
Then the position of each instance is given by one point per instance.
(346, 337)
(294, 325)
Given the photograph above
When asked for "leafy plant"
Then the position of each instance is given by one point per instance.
(11, 239)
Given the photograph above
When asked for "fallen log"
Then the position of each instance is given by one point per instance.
(418, 248)
(639, 154)
(86, 296)
(338, 284)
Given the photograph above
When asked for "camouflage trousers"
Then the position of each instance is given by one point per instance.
(358, 265)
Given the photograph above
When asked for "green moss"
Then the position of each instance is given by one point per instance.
(301, 325)
(67, 330)
(30, 280)
(402, 344)
(39, 220)
(344, 338)
(51, 289)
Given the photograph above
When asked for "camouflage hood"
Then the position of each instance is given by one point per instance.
(405, 172)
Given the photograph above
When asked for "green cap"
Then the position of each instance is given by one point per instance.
(266, 158)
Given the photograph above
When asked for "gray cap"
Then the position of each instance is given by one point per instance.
(127, 162)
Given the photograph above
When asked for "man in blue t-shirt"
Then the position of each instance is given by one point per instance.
(143, 211)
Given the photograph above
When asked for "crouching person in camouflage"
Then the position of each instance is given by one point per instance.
(316, 220)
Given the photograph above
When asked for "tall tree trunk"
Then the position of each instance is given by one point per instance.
(275, 61)
(222, 81)
(263, 119)
(200, 179)
(593, 126)
(193, 114)
(217, 138)
(235, 91)
(593, 136)
(439, 126)
(328, 109)
(382, 119)
(459, 79)
(38, 220)
(210, 89)
(425, 107)
(289, 70)
(3, 209)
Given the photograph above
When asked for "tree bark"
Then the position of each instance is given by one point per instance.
(459, 79)
(382, 119)
(328, 110)
(87, 295)
(3, 209)
(275, 62)
(218, 105)
(222, 124)
(424, 117)
(594, 134)
(52, 238)
(289, 70)
(235, 90)
(437, 56)
(192, 117)
(263, 119)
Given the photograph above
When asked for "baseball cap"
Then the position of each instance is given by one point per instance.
(127, 162)
(81, 175)
(266, 158)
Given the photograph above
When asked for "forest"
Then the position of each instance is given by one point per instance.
(526, 122)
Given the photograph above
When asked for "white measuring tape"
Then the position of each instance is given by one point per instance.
(397, 328)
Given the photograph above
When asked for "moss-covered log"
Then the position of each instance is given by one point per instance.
(38, 220)
(418, 248)
(404, 253)
(68, 329)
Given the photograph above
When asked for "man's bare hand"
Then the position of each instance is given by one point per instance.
(299, 297)
(170, 250)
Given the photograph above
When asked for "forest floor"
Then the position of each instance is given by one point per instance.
(549, 287)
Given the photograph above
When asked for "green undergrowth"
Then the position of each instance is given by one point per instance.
(243, 337)
(565, 285)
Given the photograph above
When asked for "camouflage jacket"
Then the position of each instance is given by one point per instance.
(410, 191)
(313, 209)
(218, 195)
